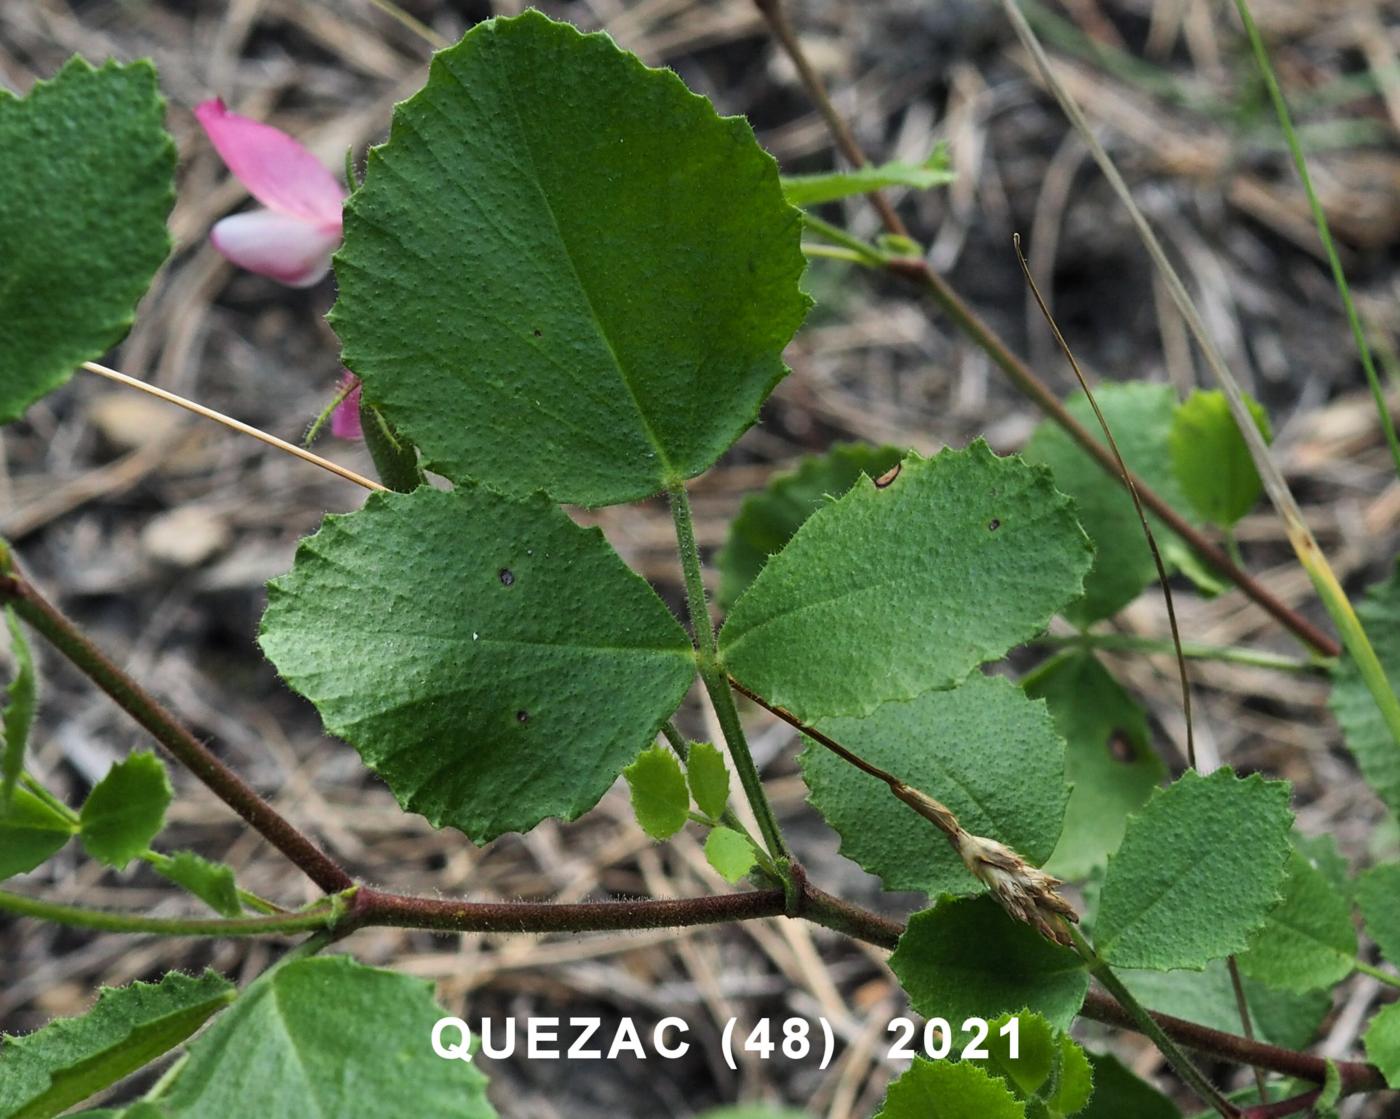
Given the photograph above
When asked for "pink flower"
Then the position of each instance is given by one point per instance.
(345, 420)
(293, 238)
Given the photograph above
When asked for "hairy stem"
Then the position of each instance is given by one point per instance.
(39, 613)
(713, 676)
(918, 273)
(102, 920)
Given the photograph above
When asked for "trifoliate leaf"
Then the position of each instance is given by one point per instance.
(326, 1036)
(1198, 871)
(1308, 941)
(1119, 1093)
(18, 715)
(1363, 729)
(1282, 1017)
(125, 810)
(965, 958)
(983, 749)
(461, 641)
(1209, 457)
(1140, 416)
(47, 1072)
(1109, 760)
(947, 1090)
(659, 795)
(564, 271)
(709, 779)
(897, 589)
(1383, 1043)
(730, 854)
(813, 190)
(767, 519)
(89, 174)
(212, 883)
(30, 832)
(1378, 895)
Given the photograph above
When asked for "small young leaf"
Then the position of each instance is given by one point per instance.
(730, 854)
(982, 748)
(903, 587)
(1378, 895)
(947, 1090)
(1284, 1018)
(212, 883)
(1308, 941)
(1140, 416)
(494, 662)
(1363, 728)
(1118, 1093)
(18, 715)
(600, 302)
(1210, 459)
(1048, 1067)
(1383, 1043)
(965, 958)
(709, 779)
(30, 832)
(813, 190)
(1199, 869)
(325, 1036)
(767, 519)
(1074, 1080)
(1109, 760)
(89, 172)
(125, 810)
(47, 1072)
(659, 796)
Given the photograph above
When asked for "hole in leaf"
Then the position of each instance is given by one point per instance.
(537, 332)
(888, 476)
(507, 576)
(522, 716)
(994, 524)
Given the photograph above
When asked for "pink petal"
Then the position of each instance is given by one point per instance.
(285, 248)
(278, 171)
(345, 420)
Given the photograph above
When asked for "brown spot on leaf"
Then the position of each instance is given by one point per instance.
(888, 476)
(507, 577)
(1120, 747)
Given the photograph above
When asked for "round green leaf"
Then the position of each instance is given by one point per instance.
(212, 883)
(982, 748)
(1210, 459)
(895, 590)
(1140, 416)
(1199, 869)
(125, 810)
(326, 1036)
(30, 831)
(729, 853)
(965, 958)
(659, 795)
(1366, 734)
(948, 1090)
(767, 519)
(1109, 759)
(1383, 1043)
(1308, 941)
(566, 272)
(493, 661)
(89, 180)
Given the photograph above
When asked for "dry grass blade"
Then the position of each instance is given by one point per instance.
(1132, 492)
(1300, 537)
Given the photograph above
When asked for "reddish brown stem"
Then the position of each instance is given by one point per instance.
(166, 729)
(917, 272)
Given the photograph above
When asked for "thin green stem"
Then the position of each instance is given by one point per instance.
(103, 920)
(1175, 1056)
(1193, 650)
(1324, 232)
(1387, 977)
(833, 252)
(713, 676)
(867, 252)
